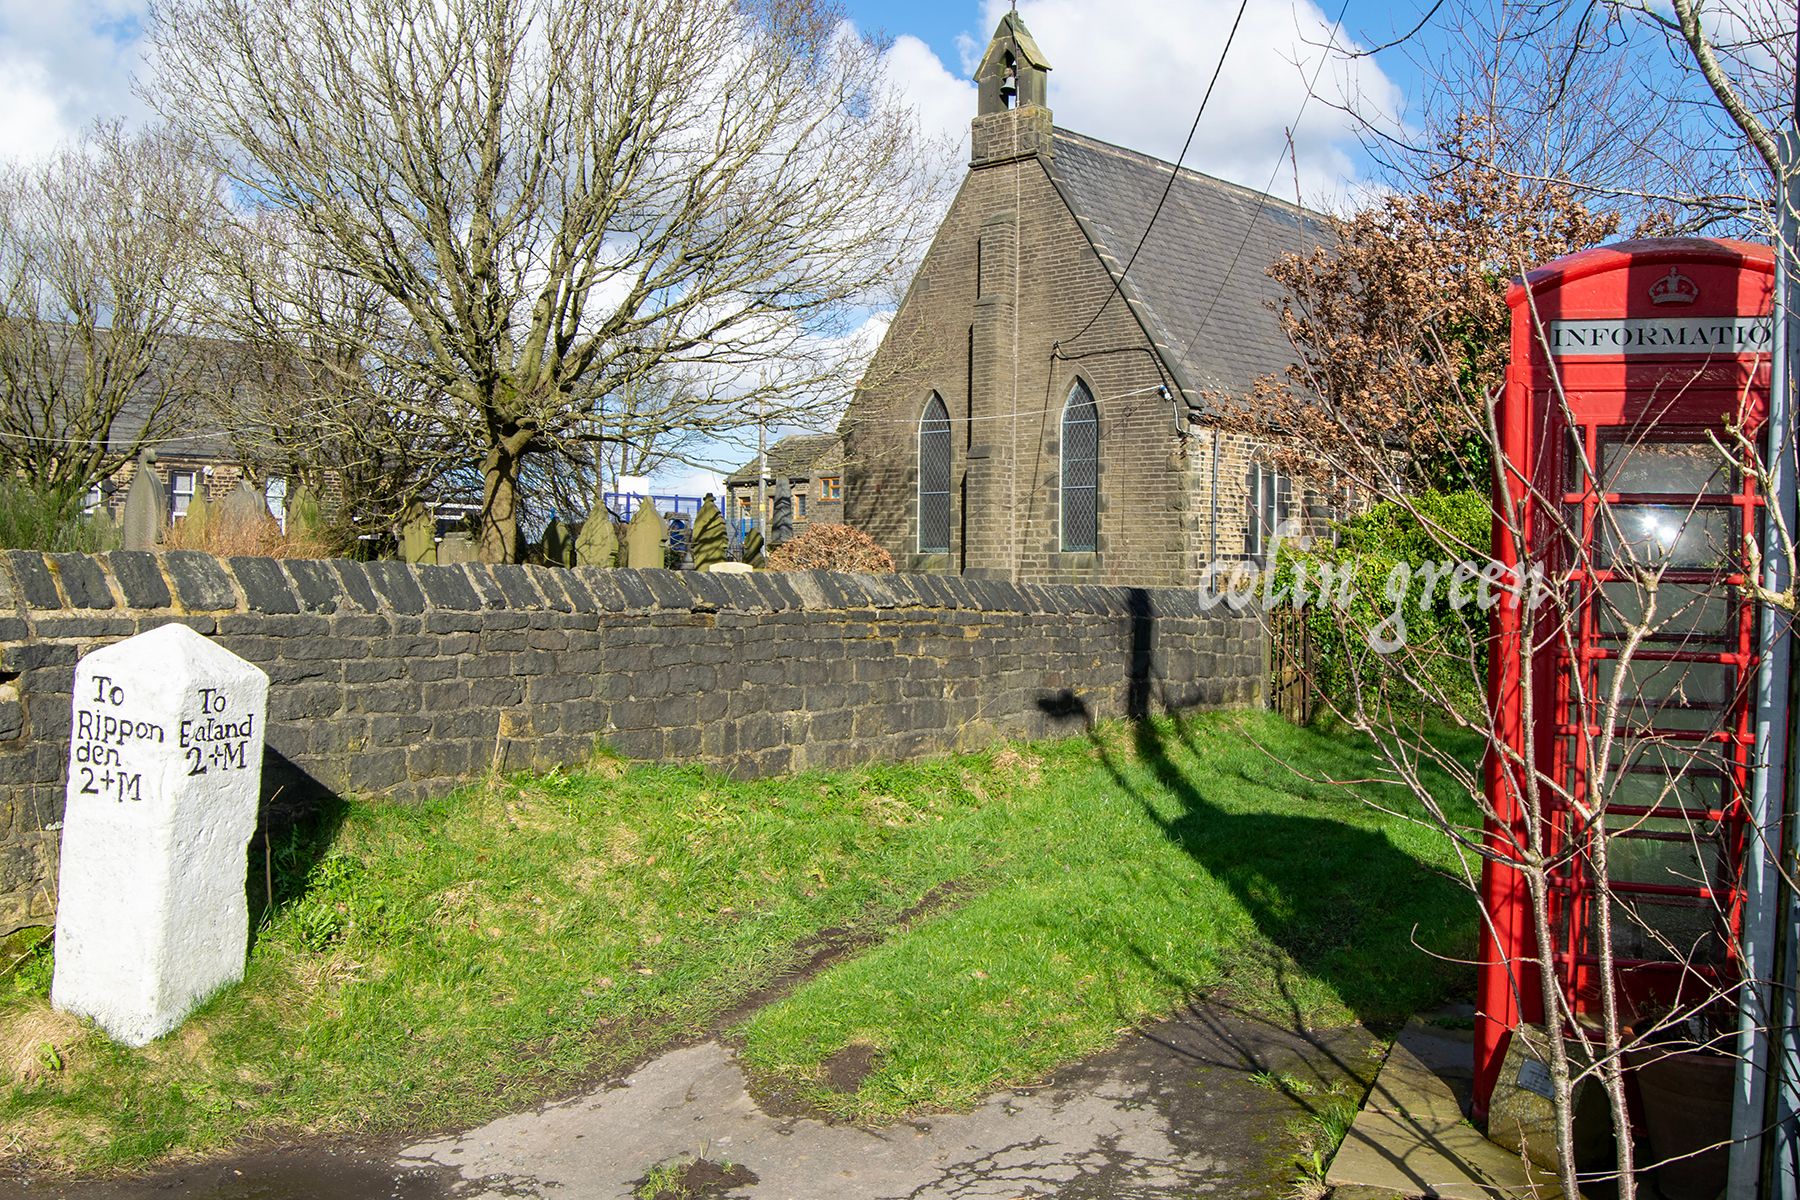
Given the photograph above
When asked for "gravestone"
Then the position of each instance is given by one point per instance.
(559, 544)
(146, 512)
(781, 514)
(197, 522)
(418, 535)
(597, 545)
(458, 546)
(165, 769)
(244, 508)
(645, 538)
(711, 539)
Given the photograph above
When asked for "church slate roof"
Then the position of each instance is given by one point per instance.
(797, 456)
(1201, 282)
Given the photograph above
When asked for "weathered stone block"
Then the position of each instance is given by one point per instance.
(448, 587)
(395, 584)
(83, 580)
(516, 586)
(357, 588)
(36, 585)
(85, 627)
(319, 587)
(200, 582)
(265, 585)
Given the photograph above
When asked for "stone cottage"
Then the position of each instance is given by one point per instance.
(1041, 407)
(812, 464)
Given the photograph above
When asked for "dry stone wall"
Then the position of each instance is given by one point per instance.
(403, 681)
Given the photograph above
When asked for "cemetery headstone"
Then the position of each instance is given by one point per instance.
(781, 515)
(753, 548)
(165, 768)
(645, 537)
(146, 508)
(197, 521)
(711, 540)
(597, 545)
(458, 546)
(559, 544)
(244, 507)
(418, 535)
(304, 517)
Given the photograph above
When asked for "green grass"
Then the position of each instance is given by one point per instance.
(441, 964)
(1123, 877)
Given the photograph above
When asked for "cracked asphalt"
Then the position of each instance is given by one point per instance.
(1180, 1109)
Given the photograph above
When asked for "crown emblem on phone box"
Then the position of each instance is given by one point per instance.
(1674, 288)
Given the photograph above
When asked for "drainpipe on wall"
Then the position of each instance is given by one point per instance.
(1764, 1100)
(1212, 526)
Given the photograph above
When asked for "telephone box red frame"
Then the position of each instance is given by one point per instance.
(1680, 390)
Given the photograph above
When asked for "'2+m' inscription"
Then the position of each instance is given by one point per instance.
(104, 738)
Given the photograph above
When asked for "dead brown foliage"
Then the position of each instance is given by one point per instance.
(220, 535)
(832, 548)
(1400, 325)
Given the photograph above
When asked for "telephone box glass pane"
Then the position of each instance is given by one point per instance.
(1574, 462)
(1692, 615)
(1655, 685)
(1672, 852)
(1666, 929)
(1689, 776)
(1671, 536)
(1663, 467)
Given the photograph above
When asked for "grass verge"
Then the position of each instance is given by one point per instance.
(441, 964)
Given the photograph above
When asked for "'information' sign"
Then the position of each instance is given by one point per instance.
(1643, 336)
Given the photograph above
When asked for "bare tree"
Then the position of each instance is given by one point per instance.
(100, 265)
(1673, 119)
(560, 198)
(311, 400)
(1404, 314)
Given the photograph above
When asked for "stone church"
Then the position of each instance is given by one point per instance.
(1039, 409)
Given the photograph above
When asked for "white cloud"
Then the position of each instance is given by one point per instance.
(687, 481)
(1133, 72)
(943, 101)
(64, 64)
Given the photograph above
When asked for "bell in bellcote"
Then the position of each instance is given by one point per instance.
(1009, 86)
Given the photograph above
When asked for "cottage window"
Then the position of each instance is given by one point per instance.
(181, 492)
(1080, 471)
(275, 494)
(934, 478)
(800, 503)
(831, 487)
(1269, 500)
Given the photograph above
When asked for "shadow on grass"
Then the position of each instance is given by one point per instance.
(1336, 901)
(299, 820)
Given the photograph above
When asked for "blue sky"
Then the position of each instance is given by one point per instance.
(1129, 71)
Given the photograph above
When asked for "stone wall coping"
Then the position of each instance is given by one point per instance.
(188, 582)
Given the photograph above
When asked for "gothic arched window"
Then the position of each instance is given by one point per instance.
(934, 478)
(1080, 470)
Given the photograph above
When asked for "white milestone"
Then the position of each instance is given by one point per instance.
(165, 770)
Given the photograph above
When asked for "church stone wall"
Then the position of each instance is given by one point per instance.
(403, 681)
(1010, 269)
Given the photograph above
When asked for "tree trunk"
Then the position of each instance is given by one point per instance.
(498, 538)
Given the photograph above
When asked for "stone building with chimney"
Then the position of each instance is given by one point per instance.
(1042, 406)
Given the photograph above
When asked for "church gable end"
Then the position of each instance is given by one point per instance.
(1015, 309)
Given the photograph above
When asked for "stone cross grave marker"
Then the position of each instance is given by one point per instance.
(165, 768)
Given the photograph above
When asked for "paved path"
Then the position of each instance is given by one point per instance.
(1175, 1111)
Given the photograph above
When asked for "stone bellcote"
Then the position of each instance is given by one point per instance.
(1012, 117)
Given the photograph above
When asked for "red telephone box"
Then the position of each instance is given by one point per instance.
(1625, 360)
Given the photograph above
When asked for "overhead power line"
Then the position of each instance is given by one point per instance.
(1262, 200)
(1119, 279)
